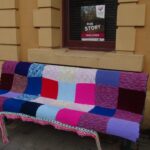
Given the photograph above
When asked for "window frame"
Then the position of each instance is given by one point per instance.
(80, 45)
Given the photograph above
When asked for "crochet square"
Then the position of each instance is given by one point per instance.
(66, 92)
(123, 128)
(30, 108)
(19, 83)
(3, 92)
(85, 75)
(85, 94)
(67, 74)
(51, 72)
(107, 96)
(13, 105)
(36, 70)
(133, 81)
(9, 67)
(103, 111)
(132, 101)
(34, 86)
(22, 68)
(108, 78)
(6, 81)
(94, 122)
(122, 114)
(46, 112)
(49, 88)
(68, 116)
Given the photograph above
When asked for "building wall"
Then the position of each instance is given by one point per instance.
(9, 30)
(29, 35)
(143, 47)
(143, 39)
(36, 28)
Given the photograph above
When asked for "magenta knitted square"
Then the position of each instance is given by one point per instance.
(85, 94)
(68, 116)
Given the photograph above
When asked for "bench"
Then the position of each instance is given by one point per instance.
(81, 100)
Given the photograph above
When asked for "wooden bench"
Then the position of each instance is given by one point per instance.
(82, 100)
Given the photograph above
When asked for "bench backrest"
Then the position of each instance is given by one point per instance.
(109, 90)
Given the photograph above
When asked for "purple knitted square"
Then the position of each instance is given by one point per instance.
(126, 115)
(94, 122)
(107, 96)
(9, 67)
(11, 95)
(133, 81)
(123, 128)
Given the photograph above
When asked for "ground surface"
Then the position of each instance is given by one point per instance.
(28, 136)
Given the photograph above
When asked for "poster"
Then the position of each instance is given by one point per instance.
(93, 23)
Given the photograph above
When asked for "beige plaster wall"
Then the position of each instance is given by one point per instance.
(143, 47)
(143, 39)
(9, 30)
(29, 35)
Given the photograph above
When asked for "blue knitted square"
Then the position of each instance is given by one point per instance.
(108, 78)
(103, 111)
(34, 86)
(13, 105)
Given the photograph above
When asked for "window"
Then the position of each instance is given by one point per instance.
(72, 25)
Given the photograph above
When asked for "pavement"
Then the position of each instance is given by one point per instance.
(29, 136)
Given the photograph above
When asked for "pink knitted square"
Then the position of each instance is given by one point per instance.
(68, 116)
(85, 94)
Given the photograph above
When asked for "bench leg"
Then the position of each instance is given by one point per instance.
(137, 145)
(126, 145)
(98, 142)
(3, 130)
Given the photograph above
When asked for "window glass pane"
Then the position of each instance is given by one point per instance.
(75, 17)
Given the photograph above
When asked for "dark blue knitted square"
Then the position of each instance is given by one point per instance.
(3, 92)
(22, 68)
(30, 108)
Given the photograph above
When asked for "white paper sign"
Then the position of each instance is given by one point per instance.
(100, 11)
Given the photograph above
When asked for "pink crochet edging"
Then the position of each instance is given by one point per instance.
(34, 120)
(3, 131)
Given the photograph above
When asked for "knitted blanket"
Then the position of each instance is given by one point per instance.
(105, 101)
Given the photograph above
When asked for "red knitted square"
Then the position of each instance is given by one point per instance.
(49, 88)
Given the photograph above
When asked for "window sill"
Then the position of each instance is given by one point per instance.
(103, 60)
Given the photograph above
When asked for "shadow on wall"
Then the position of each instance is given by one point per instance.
(146, 123)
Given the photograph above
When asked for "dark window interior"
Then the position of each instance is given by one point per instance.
(72, 24)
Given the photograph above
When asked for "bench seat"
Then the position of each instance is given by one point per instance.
(105, 101)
